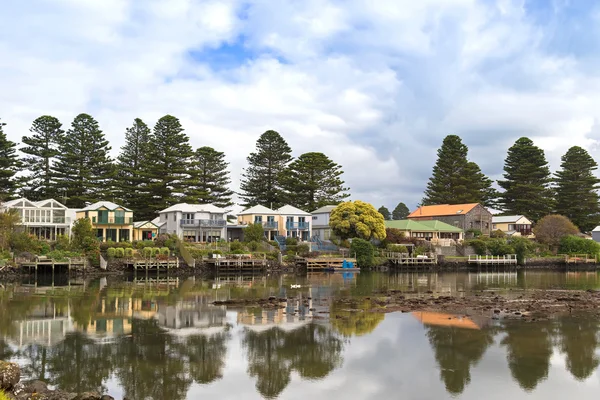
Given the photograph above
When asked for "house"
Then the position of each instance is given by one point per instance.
(467, 217)
(111, 221)
(430, 230)
(287, 221)
(596, 234)
(145, 230)
(46, 219)
(320, 222)
(516, 225)
(195, 222)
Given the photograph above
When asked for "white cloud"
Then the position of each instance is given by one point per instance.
(374, 85)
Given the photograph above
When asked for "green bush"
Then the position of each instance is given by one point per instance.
(215, 252)
(148, 251)
(522, 247)
(62, 243)
(290, 241)
(303, 249)
(572, 244)
(253, 246)
(476, 233)
(363, 251)
(4, 396)
(420, 250)
(119, 252)
(240, 251)
(479, 245)
(274, 243)
(165, 251)
(129, 253)
(236, 246)
(111, 252)
(397, 248)
(254, 233)
(292, 248)
(273, 256)
(5, 255)
(289, 258)
(60, 255)
(155, 251)
(498, 234)
(125, 245)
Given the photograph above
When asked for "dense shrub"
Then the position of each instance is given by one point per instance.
(273, 255)
(289, 258)
(292, 248)
(235, 246)
(274, 243)
(363, 251)
(105, 245)
(62, 243)
(254, 233)
(572, 244)
(498, 234)
(147, 252)
(291, 241)
(393, 236)
(140, 244)
(62, 255)
(129, 253)
(253, 246)
(111, 252)
(397, 248)
(303, 249)
(155, 251)
(22, 242)
(240, 251)
(165, 251)
(479, 245)
(119, 252)
(125, 245)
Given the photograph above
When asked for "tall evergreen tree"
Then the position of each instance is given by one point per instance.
(455, 179)
(131, 182)
(41, 149)
(168, 169)
(9, 166)
(526, 181)
(383, 210)
(83, 168)
(577, 189)
(262, 181)
(312, 181)
(400, 212)
(209, 178)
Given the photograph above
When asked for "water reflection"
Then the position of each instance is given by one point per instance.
(162, 338)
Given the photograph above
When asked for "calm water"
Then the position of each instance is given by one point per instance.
(162, 339)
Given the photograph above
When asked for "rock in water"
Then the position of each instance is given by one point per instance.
(10, 375)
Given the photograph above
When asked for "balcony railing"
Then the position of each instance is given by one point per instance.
(272, 225)
(297, 225)
(55, 220)
(113, 221)
(203, 223)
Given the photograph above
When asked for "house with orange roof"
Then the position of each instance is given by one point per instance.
(467, 217)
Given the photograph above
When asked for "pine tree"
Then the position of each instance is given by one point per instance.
(576, 189)
(41, 150)
(83, 168)
(169, 162)
(526, 181)
(400, 212)
(313, 181)
(9, 166)
(262, 181)
(131, 181)
(455, 179)
(385, 212)
(209, 178)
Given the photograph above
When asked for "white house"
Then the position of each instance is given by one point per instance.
(517, 225)
(45, 219)
(287, 221)
(194, 222)
(320, 222)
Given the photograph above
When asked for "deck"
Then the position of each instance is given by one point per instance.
(407, 259)
(509, 259)
(46, 263)
(237, 263)
(580, 259)
(152, 264)
(323, 263)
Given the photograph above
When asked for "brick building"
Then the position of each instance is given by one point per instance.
(472, 216)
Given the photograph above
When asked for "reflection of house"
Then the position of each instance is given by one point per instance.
(293, 312)
(195, 222)
(286, 221)
(111, 221)
(431, 230)
(516, 225)
(464, 216)
(44, 219)
(320, 222)
(441, 319)
(45, 325)
(191, 314)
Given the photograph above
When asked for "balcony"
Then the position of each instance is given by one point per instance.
(113, 221)
(290, 226)
(201, 223)
(271, 225)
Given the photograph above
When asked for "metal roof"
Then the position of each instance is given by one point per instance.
(192, 208)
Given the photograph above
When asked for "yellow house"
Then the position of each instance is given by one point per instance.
(287, 221)
(516, 225)
(111, 221)
(145, 230)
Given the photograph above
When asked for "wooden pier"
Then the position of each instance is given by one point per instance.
(42, 262)
(509, 259)
(237, 263)
(406, 259)
(580, 259)
(323, 263)
(152, 264)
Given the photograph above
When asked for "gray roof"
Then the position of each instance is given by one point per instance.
(258, 210)
(504, 219)
(192, 208)
(324, 210)
(106, 204)
(142, 223)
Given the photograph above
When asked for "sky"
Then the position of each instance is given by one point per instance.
(375, 85)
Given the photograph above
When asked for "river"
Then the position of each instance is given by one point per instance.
(161, 338)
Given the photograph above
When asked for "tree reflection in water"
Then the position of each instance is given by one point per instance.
(579, 340)
(354, 319)
(456, 351)
(529, 348)
(312, 350)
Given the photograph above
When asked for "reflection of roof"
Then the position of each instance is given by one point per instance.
(285, 326)
(441, 319)
(192, 331)
(422, 226)
(442, 209)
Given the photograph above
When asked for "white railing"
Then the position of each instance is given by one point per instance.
(506, 259)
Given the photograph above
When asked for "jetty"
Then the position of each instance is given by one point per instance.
(580, 259)
(400, 259)
(152, 264)
(508, 259)
(45, 263)
(324, 263)
(236, 263)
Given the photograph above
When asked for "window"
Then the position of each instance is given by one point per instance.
(258, 219)
(271, 218)
(315, 218)
(188, 216)
(494, 227)
(471, 225)
(174, 217)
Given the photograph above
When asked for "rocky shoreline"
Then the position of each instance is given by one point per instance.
(13, 388)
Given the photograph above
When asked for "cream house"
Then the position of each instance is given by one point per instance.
(45, 219)
(516, 225)
(111, 221)
(287, 221)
